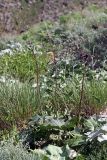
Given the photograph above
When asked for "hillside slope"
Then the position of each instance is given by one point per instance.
(17, 15)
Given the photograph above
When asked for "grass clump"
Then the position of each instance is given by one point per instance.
(17, 101)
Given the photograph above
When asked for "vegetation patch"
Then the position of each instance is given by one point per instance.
(53, 89)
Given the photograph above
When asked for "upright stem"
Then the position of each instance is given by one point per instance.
(55, 91)
(81, 98)
(37, 78)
